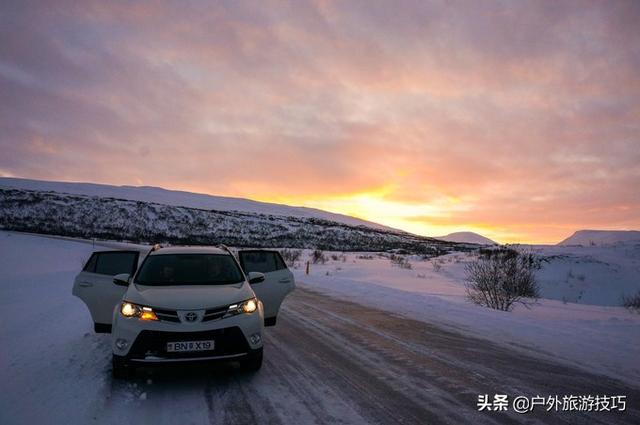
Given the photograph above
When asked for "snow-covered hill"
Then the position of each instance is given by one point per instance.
(467, 237)
(178, 198)
(140, 221)
(602, 237)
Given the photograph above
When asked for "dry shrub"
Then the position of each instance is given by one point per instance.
(318, 257)
(502, 279)
(632, 302)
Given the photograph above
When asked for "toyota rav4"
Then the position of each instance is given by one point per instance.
(178, 304)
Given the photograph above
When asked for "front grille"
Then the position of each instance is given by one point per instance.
(167, 315)
(209, 314)
(215, 313)
(228, 341)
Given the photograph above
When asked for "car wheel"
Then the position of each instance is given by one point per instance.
(101, 328)
(121, 369)
(253, 362)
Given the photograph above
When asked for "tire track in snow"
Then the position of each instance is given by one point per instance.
(381, 391)
(330, 361)
(403, 344)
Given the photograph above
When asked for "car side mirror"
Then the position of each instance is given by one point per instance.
(121, 279)
(255, 277)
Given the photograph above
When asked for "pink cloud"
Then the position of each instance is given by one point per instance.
(524, 113)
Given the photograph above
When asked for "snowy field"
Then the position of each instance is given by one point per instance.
(578, 321)
(49, 352)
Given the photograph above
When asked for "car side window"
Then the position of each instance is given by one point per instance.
(259, 261)
(91, 264)
(280, 264)
(113, 263)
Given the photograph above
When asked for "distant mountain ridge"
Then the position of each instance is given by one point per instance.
(602, 237)
(183, 199)
(467, 237)
(104, 217)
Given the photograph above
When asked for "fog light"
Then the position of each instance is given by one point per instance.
(121, 344)
(255, 338)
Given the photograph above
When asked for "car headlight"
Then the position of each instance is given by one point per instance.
(248, 306)
(128, 309)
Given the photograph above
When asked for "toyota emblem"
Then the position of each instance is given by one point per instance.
(191, 316)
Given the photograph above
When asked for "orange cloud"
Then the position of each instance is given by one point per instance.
(516, 121)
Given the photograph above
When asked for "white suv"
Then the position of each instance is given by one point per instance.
(184, 303)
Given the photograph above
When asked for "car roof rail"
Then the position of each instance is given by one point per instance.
(226, 248)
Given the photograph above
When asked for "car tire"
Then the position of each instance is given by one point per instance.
(253, 361)
(122, 369)
(102, 328)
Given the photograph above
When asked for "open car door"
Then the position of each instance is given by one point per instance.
(278, 279)
(94, 284)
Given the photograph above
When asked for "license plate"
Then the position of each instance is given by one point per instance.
(186, 346)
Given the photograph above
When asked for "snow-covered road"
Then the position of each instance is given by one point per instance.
(327, 361)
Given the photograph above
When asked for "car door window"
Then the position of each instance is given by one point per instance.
(91, 264)
(280, 264)
(113, 263)
(259, 261)
(278, 282)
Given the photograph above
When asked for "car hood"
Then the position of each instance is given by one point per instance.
(188, 297)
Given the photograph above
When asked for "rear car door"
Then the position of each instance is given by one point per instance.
(94, 284)
(278, 280)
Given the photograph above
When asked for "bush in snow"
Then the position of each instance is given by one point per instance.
(632, 302)
(290, 256)
(339, 257)
(502, 279)
(318, 257)
(400, 261)
(437, 265)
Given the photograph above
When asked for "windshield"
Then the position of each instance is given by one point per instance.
(189, 269)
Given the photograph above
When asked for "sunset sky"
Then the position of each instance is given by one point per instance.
(518, 120)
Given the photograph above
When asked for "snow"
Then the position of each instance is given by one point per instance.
(602, 237)
(600, 338)
(54, 369)
(183, 199)
(49, 353)
(598, 275)
(41, 321)
(466, 237)
(118, 219)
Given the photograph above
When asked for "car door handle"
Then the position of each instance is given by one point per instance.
(86, 284)
(284, 280)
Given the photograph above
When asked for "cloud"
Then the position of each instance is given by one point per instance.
(516, 119)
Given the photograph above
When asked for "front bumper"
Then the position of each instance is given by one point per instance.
(146, 341)
(150, 346)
